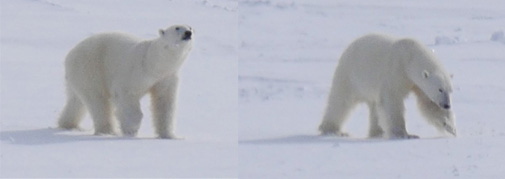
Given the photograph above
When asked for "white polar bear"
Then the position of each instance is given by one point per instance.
(381, 71)
(116, 69)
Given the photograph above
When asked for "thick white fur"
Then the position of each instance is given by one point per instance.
(381, 71)
(112, 71)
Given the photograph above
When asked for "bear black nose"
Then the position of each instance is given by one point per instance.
(187, 35)
(447, 106)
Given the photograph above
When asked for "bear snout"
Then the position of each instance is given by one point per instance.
(187, 35)
(446, 106)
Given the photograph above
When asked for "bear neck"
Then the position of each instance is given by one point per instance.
(165, 58)
(420, 59)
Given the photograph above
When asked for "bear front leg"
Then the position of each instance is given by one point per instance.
(163, 106)
(128, 113)
(391, 117)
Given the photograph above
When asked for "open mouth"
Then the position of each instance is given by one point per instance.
(187, 35)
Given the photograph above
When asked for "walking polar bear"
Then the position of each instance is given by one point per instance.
(381, 71)
(112, 71)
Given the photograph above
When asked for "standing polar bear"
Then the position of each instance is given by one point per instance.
(381, 71)
(116, 69)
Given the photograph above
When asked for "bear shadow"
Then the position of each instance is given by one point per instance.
(308, 139)
(51, 136)
(318, 139)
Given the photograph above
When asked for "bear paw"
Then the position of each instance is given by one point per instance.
(410, 136)
(335, 133)
(67, 125)
(129, 133)
(170, 136)
(406, 136)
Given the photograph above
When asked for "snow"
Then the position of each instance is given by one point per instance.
(35, 37)
(253, 90)
(498, 36)
(288, 53)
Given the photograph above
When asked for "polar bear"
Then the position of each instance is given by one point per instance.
(112, 71)
(381, 71)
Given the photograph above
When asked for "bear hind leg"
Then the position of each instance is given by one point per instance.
(375, 131)
(338, 110)
(129, 114)
(100, 111)
(73, 112)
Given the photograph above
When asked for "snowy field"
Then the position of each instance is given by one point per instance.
(35, 37)
(253, 90)
(289, 50)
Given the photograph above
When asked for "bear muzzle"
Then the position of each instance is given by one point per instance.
(187, 35)
(446, 103)
(445, 106)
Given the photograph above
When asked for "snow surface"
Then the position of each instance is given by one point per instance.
(35, 37)
(287, 51)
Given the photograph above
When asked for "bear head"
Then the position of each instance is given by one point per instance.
(437, 88)
(177, 34)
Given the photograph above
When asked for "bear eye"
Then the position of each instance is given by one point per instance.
(177, 28)
(441, 90)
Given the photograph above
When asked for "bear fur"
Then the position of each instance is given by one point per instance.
(381, 71)
(110, 72)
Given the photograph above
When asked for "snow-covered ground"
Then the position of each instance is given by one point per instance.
(35, 37)
(263, 123)
(289, 50)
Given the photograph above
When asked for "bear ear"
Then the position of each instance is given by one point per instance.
(162, 32)
(426, 74)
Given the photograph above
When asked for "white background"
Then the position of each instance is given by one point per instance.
(35, 37)
(253, 90)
